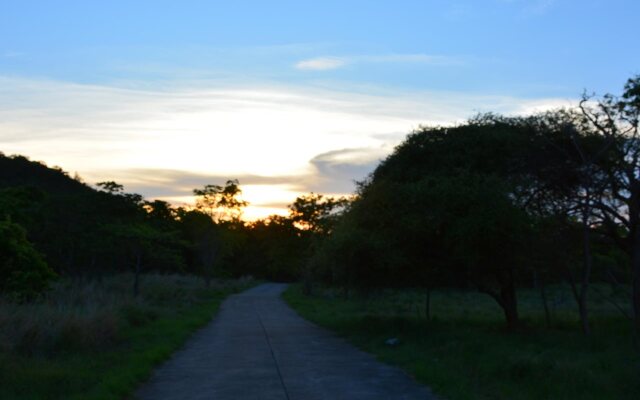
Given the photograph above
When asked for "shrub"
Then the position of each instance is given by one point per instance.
(23, 272)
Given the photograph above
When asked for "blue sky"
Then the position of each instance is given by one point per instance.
(290, 96)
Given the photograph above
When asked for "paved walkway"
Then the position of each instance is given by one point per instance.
(258, 348)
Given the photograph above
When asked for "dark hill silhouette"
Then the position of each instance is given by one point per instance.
(20, 171)
(81, 230)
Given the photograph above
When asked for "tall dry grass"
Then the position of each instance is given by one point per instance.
(81, 314)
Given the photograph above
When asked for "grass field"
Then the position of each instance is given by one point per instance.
(465, 353)
(94, 340)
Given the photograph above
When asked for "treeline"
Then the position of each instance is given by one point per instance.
(493, 205)
(496, 204)
(54, 225)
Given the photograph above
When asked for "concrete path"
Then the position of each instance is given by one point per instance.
(259, 348)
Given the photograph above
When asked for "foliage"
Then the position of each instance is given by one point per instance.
(440, 210)
(221, 203)
(87, 232)
(317, 213)
(81, 231)
(274, 249)
(23, 272)
(489, 203)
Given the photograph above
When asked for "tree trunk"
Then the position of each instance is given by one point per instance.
(427, 304)
(545, 302)
(586, 272)
(506, 297)
(584, 313)
(635, 288)
(71, 259)
(633, 249)
(207, 258)
(136, 281)
(509, 304)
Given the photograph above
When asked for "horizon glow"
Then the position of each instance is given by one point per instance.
(289, 98)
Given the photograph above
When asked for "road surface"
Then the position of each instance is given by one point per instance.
(257, 348)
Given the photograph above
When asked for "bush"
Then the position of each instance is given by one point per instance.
(23, 272)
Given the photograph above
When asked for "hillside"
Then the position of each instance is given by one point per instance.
(20, 171)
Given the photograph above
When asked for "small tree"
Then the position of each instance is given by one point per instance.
(222, 204)
(317, 213)
(111, 187)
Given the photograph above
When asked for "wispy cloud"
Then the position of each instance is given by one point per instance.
(279, 140)
(321, 64)
(331, 63)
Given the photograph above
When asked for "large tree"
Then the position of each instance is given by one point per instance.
(441, 209)
(616, 201)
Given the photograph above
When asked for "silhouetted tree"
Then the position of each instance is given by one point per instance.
(317, 213)
(617, 203)
(222, 203)
(448, 207)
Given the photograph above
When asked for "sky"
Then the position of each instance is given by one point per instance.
(289, 97)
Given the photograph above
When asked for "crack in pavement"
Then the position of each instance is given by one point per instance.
(275, 361)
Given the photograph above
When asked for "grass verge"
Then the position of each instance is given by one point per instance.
(464, 352)
(93, 340)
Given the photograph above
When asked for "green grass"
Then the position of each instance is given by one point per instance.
(93, 340)
(465, 353)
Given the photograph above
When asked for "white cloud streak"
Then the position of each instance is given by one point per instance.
(331, 63)
(321, 64)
